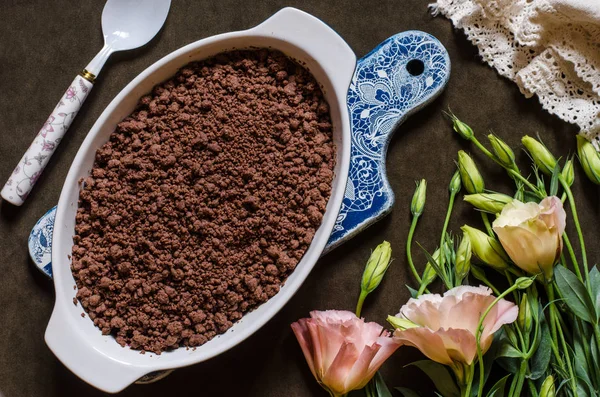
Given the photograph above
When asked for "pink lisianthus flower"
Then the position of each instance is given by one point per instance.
(444, 327)
(342, 350)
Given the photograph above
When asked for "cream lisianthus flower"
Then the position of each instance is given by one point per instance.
(531, 234)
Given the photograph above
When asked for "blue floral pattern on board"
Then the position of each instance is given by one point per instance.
(40, 242)
(400, 76)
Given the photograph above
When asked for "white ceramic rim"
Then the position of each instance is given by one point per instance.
(98, 359)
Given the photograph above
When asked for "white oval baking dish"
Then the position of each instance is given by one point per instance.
(74, 339)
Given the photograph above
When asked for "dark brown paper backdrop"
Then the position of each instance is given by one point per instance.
(43, 44)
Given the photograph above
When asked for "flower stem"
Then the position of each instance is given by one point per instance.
(567, 358)
(532, 390)
(520, 378)
(359, 304)
(486, 222)
(567, 190)
(515, 174)
(556, 331)
(478, 335)
(466, 390)
(521, 178)
(411, 264)
(447, 221)
(572, 255)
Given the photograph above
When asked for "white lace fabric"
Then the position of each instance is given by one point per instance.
(549, 48)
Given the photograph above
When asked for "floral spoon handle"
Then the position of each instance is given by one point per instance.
(38, 154)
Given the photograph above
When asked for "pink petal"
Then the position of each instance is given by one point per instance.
(361, 372)
(460, 344)
(335, 375)
(388, 347)
(507, 313)
(427, 341)
(330, 339)
(304, 339)
(466, 313)
(425, 313)
(318, 348)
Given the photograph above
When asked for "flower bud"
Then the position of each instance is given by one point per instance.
(524, 282)
(589, 159)
(463, 129)
(376, 267)
(463, 258)
(568, 173)
(401, 323)
(540, 154)
(487, 248)
(503, 152)
(455, 183)
(524, 318)
(471, 178)
(489, 202)
(478, 273)
(418, 201)
(429, 273)
(512, 337)
(548, 388)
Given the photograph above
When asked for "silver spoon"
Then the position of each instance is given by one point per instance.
(126, 24)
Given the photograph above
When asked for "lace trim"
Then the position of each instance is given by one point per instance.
(549, 52)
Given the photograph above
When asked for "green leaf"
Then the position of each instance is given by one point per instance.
(440, 376)
(540, 360)
(594, 278)
(498, 388)
(413, 292)
(407, 392)
(554, 181)
(575, 295)
(508, 350)
(438, 270)
(380, 386)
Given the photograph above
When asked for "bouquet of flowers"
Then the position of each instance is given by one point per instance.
(520, 311)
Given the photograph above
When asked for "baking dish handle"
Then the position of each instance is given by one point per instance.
(314, 36)
(85, 360)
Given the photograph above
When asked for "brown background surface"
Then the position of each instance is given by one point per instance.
(43, 44)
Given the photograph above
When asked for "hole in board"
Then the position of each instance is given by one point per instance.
(415, 67)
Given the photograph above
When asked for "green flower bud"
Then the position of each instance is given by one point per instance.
(503, 152)
(589, 159)
(478, 273)
(469, 174)
(487, 248)
(429, 273)
(524, 282)
(489, 202)
(401, 323)
(463, 130)
(418, 200)
(376, 267)
(568, 173)
(548, 389)
(512, 337)
(463, 258)
(524, 319)
(455, 183)
(540, 154)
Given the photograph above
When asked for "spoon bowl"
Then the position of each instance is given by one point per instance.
(129, 24)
